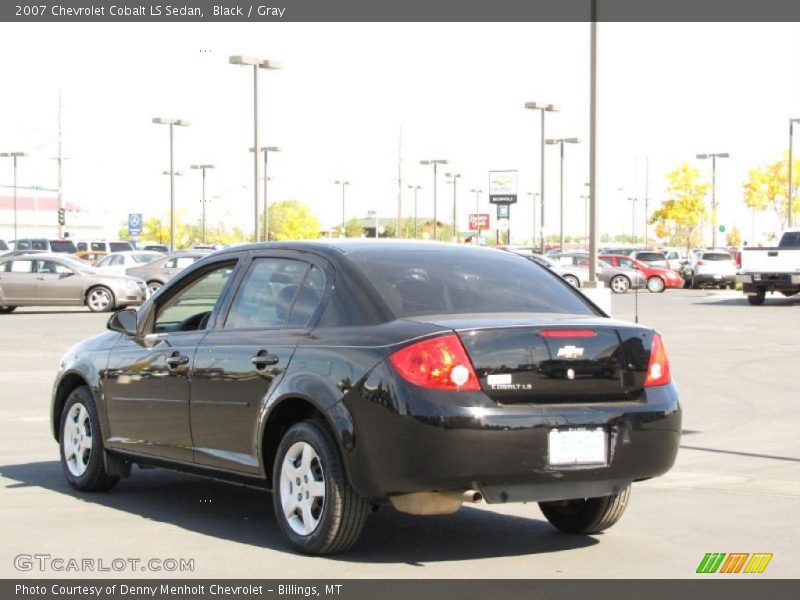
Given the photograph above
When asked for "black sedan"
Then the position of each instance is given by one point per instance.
(349, 374)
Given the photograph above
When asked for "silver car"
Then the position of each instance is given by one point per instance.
(619, 280)
(573, 275)
(160, 271)
(48, 279)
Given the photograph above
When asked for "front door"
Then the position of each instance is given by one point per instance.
(148, 379)
(57, 283)
(241, 361)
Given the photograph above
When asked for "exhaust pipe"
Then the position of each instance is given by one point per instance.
(434, 503)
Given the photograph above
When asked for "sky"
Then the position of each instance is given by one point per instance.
(336, 108)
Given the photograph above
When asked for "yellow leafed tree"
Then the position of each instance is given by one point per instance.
(679, 217)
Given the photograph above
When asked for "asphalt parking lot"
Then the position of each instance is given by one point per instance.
(735, 486)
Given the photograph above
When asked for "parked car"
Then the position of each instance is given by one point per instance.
(574, 275)
(655, 258)
(160, 271)
(713, 268)
(47, 245)
(348, 374)
(56, 279)
(776, 269)
(619, 280)
(90, 257)
(120, 262)
(676, 258)
(658, 279)
(104, 246)
(3, 247)
(156, 248)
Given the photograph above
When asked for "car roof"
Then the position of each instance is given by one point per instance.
(337, 246)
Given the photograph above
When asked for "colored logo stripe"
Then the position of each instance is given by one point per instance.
(711, 562)
(758, 562)
(734, 563)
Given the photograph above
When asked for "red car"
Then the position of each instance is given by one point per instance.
(658, 278)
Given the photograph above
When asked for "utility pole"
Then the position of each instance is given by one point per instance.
(646, 196)
(714, 156)
(399, 183)
(60, 160)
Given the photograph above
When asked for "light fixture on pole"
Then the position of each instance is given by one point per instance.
(344, 222)
(454, 177)
(435, 163)
(172, 124)
(560, 142)
(633, 202)
(203, 168)
(542, 108)
(789, 216)
(713, 156)
(14, 156)
(416, 189)
(266, 150)
(256, 63)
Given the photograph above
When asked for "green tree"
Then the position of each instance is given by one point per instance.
(352, 228)
(680, 216)
(292, 220)
(766, 188)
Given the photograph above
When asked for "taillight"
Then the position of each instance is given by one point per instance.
(739, 259)
(438, 363)
(567, 333)
(658, 369)
(700, 262)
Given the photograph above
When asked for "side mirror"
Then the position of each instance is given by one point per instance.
(123, 321)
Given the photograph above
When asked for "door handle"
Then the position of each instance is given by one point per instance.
(264, 359)
(177, 359)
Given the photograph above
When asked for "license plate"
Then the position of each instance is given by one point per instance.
(577, 447)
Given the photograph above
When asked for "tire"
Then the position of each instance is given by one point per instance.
(333, 521)
(758, 299)
(695, 285)
(619, 284)
(572, 280)
(4, 310)
(154, 286)
(656, 285)
(100, 299)
(84, 467)
(586, 515)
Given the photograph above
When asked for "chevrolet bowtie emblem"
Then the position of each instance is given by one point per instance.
(570, 352)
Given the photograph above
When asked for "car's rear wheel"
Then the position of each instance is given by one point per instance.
(315, 506)
(100, 299)
(757, 299)
(572, 280)
(82, 444)
(656, 285)
(4, 310)
(619, 284)
(695, 283)
(154, 286)
(586, 515)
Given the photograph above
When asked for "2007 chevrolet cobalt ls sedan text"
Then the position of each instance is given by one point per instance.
(348, 374)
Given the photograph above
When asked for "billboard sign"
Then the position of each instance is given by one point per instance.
(502, 187)
(135, 224)
(478, 222)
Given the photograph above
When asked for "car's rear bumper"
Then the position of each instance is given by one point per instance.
(705, 278)
(437, 446)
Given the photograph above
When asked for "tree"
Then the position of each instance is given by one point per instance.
(734, 237)
(766, 188)
(292, 220)
(353, 229)
(680, 216)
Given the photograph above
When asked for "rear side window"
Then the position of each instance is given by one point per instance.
(650, 256)
(120, 246)
(82, 246)
(62, 246)
(717, 256)
(19, 266)
(39, 245)
(99, 246)
(425, 282)
(272, 290)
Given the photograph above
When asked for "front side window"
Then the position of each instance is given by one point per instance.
(190, 308)
(276, 292)
(626, 263)
(106, 262)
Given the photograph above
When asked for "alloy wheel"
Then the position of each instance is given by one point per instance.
(77, 438)
(99, 300)
(302, 488)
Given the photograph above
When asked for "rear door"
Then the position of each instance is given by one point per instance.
(244, 356)
(18, 281)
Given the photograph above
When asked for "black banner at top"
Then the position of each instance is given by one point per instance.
(396, 10)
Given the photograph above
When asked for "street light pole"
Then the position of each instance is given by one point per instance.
(172, 123)
(478, 193)
(561, 142)
(791, 186)
(344, 222)
(435, 164)
(453, 179)
(633, 202)
(266, 150)
(416, 188)
(256, 63)
(203, 168)
(14, 156)
(713, 156)
(542, 108)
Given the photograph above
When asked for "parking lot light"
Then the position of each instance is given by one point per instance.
(344, 184)
(454, 177)
(435, 163)
(256, 63)
(542, 108)
(172, 124)
(560, 142)
(266, 150)
(14, 156)
(203, 168)
(713, 156)
(416, 189)
(789, 215)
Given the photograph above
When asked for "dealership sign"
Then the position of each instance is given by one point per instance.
(478, 222)
(502, 187)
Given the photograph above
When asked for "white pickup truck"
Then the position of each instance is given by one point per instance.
(776, 269)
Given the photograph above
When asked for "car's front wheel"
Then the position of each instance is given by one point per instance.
(572, 280)
(656, 285)
(586, 515)
(4, 310)
(100, 299)
(82, 444)
(620, 284)
(154, 286)
(315, 506)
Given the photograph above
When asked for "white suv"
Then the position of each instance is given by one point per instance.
(715, 268)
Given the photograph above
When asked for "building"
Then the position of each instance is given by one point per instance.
(37, 216)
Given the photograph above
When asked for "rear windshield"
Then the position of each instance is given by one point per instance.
(650, 256)
(120, 246)
(62, 246)
(790, 239)
(717, 256)
(424, 282)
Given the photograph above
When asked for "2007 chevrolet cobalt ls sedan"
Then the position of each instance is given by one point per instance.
(348, 374)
